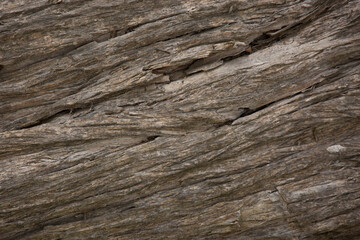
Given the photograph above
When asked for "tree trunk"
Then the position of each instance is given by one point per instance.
(169, 119)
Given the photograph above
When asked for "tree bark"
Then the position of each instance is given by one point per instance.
(169, 119)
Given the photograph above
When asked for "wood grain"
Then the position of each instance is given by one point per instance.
(175, 119)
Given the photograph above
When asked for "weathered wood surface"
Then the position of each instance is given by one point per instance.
(169, 119)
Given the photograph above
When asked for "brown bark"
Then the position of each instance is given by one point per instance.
(169, 119)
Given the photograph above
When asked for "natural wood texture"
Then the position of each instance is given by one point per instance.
(169, 119)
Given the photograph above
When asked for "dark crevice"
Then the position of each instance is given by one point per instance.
(248, 111)
(127, 205)
(191, 32)
(273, 36)
(152, 138)
(261, 42)
(66, 50)
(244, 112)
(131, 29)
(171, 70)
(252, 111)
(177, 75)
(270, 37)
(49, 118)
(247, 52)
(77, 107)
(149, 139)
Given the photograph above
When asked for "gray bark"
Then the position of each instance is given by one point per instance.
(169, 119)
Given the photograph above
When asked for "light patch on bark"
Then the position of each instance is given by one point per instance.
(336, 148)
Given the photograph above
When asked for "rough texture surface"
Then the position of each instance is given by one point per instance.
(169, 119)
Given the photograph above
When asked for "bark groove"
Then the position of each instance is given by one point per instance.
(169, 119)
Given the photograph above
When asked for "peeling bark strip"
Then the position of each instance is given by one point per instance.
(169, 119)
